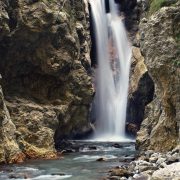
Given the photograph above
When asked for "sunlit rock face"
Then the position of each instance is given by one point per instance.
(45, 67)
(160, 46)
(9, 148)
(141, 91)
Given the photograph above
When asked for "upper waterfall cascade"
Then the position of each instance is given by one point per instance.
(112, 72)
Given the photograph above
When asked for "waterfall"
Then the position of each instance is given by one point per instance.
(112, 72)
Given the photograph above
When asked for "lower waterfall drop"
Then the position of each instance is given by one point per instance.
(112, 73)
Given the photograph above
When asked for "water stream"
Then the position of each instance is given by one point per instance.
(112, 75)
(82, 165)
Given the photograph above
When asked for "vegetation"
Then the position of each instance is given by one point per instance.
(176, 62)
(178, 38)
(155, 5)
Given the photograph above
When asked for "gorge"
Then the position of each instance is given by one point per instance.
(48, 89)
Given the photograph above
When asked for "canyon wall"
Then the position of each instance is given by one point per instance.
(159, 43)
(45, 68)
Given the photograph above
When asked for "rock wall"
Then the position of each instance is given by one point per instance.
(45, 67)
(160, 46)
(9, 148)
(141, 91)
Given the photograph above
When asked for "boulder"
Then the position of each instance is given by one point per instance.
(169, 172)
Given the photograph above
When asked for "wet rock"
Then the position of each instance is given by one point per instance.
(58, 174)
(101, 159)
(69, 151)
(116, 145)
(66, 146)
(92, 147)
(127, 159)
(19, 176)
(120, 172)
(13, 176)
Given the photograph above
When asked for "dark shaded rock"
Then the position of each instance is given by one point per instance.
(58, 174)
(101, 159)
(141, 91)
(116, 145)
(92, 147)
(131, 128)
(19, 176)
(13, 176)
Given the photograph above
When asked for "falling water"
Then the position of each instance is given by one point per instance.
(112, 73)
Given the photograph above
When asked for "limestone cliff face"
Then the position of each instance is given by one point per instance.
(160, 46)
(141, 90)
(45, 66)
(9, 148)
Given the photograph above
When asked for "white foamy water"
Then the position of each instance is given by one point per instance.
(87, 158)
(51, 177)
(112, 75)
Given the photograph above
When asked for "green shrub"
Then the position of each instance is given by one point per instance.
(155, 5)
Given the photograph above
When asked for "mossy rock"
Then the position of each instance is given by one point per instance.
(155, 5)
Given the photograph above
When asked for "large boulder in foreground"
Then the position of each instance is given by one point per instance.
(45, 67)
(160, 45)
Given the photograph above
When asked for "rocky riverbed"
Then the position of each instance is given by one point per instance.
(150, 165)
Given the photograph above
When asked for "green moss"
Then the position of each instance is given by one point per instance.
(155, 5)
(176, 63)
(178, 38)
